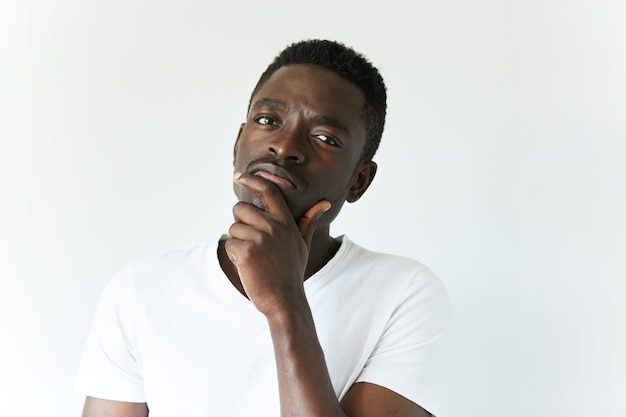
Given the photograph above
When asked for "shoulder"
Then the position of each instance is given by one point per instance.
(156, 270)
(394, 281)
(189, 255)
(388, 267)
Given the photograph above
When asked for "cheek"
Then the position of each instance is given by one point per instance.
(241, 160)
(334, 189)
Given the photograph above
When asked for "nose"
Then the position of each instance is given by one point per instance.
(288, 145)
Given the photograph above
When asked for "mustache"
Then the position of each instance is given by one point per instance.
(285, 164)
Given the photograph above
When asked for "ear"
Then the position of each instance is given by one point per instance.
(364, 176)
(236, 147)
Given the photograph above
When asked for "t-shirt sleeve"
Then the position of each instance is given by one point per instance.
(109, 368)
(408, 355)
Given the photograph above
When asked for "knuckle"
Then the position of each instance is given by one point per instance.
(238, 208)
(264, 239)
(238, 250)
(246, 250)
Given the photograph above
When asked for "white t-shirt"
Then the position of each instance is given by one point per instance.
(172, 331)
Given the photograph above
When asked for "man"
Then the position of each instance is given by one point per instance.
(278, 317)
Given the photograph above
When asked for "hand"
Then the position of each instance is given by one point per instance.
(268, 247)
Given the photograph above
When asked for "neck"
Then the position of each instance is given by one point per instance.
(323, 248)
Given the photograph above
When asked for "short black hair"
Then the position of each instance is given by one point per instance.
(349, 64)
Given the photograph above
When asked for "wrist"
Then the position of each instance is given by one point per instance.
(292, 317)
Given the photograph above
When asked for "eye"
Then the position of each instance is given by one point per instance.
(327, 139)
(265, 121)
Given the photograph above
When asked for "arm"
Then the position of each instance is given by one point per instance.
(370, 400)
(304, 384)
(270, 252)
(97, 407)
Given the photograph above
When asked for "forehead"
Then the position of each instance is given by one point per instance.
(309, 88)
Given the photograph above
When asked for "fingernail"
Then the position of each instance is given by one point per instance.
(237, 175)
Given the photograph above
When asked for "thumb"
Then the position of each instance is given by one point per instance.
(308, 222)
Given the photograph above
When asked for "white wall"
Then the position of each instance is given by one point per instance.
(501, 168)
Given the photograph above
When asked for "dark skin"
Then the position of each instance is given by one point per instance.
(297, 160)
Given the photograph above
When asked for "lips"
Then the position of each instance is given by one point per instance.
(276, 175)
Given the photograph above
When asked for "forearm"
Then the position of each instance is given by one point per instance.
(304, 383)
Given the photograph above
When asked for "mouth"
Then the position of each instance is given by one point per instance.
(276, 175)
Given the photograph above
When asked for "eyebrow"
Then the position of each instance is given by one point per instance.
(331, 121)
(274, 104)
(271, 103)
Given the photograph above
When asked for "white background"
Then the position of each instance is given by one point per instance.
(502, 168)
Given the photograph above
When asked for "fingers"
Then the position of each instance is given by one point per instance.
(272, 206)
(238, 250)
(269, 194)
(275, 205)
(308, 222)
